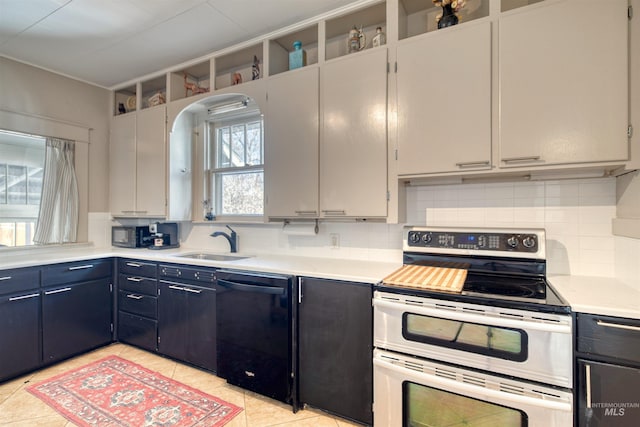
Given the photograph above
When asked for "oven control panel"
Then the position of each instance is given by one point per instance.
(510, 241)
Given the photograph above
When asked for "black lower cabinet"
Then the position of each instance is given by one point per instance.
(608, 395)
(76, 318)
(19, 333)
(187, 323)
(335, 339)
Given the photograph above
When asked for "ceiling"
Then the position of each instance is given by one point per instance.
(109, 42)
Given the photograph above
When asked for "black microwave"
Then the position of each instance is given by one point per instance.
(131, 236)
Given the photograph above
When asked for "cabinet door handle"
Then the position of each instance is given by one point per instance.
(57, 291)
(133, 264)
(5, 278)
(136, 297)
(334, 211)
(521, 159)
(24, 297)
(193, 291)
(463, 165)
(81, 267)
(301, 213)
(177, 288)
(299, 290)
(134, 279)
(587, 374)
(618, 326)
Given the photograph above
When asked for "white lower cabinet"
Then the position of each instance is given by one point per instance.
(291, 145)
(138, 164)
(444, 101)
(353, 147)
(563, 79)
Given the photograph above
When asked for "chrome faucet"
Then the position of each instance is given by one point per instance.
(231, 238)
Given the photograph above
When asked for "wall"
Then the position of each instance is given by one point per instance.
(576, 214)
(37, 93)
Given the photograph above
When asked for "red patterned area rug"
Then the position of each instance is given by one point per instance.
(116, 392)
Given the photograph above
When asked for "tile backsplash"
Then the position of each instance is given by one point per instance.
(576, 215)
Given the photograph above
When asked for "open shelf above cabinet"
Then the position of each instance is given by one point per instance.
(366, 19)
(281, 47)
(190, 81)
(506, 5)
(153, 92)
(417, 17)
(125, 100)
(237, 67)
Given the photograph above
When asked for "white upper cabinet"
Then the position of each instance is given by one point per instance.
(563, 83)
(122, 165)
(138, 164)
(151, 162)
(444, 100)
(291, 144)
(353, 148)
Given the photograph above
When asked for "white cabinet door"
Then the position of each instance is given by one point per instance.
(444, 101)
(151, 162)
(291, 144)
(122, 165)
(353, 148)
(563, 83)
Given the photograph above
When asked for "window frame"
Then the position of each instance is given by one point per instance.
(213, 172)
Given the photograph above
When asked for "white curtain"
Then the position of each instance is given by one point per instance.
(58, 217)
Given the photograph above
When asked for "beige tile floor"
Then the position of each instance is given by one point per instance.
(18, 408)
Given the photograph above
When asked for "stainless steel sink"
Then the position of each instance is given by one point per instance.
(212, 257)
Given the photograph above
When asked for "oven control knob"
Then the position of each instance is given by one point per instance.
(529, 242)
(426, 238)
(414, 237)
(512, 242)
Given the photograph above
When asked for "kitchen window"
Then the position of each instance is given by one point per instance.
(21, 173)
(236, 165)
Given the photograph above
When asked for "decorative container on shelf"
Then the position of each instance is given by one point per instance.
(379, 39)
(357, 40)
(236, 78)
(255, 68)
(156, 99)
(449, 15)
(297, 57)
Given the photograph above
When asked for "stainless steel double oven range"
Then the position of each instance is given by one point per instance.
(499, 353)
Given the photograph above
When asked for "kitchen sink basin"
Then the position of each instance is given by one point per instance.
(212, 257)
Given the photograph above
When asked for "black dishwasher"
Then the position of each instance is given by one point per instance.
(254, 344)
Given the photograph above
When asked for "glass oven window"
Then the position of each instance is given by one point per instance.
(431, 407)
(503, 343)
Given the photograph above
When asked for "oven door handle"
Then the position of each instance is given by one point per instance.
(473, 318)
(457, 387)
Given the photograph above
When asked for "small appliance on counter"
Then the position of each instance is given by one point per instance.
(164, 235)
(131, 236)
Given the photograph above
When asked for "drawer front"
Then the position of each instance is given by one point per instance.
(609, 336)
(18, 280)
(138, 268)
(136, 330)
(138, 284)
(200, 275)
(137, 303)
(81, 271)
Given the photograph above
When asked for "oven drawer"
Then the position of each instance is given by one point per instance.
(531, 345)
(609, 336)
(140, 304)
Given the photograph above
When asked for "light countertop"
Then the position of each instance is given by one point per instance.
(585, 294)
(327, 268)
(599, 295)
